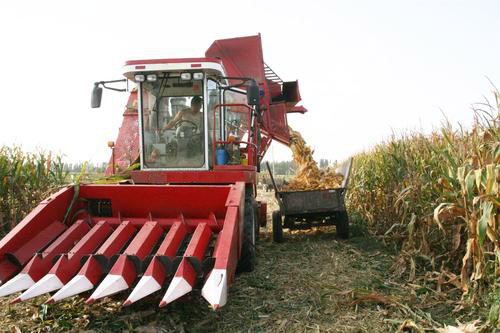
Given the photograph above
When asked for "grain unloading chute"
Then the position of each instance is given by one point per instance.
(187, 218)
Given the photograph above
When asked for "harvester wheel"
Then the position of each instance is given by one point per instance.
(342, 224)
(248, 256)
(256, 214)
(277, 227)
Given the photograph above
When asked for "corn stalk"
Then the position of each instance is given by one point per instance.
(25, 180)
(435, 198)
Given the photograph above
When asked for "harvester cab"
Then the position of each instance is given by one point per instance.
(186, 117)
(199, 128)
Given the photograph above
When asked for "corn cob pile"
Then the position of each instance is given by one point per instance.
(309, 176)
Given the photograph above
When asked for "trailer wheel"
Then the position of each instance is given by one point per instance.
(277, 227)
(342, 224)
(248, 256)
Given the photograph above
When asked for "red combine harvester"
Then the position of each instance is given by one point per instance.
(199, 128)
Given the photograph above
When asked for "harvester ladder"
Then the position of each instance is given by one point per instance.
(271, 75)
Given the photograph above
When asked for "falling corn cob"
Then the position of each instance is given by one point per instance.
(309, 176)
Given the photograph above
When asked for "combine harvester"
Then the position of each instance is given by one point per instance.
(200, 128)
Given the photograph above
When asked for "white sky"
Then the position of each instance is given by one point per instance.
(365, 68)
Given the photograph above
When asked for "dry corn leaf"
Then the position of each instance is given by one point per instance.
(462, 328)
(410, 326)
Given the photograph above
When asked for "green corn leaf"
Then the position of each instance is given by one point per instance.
(77, 191)
(469, 182)
(483, 221)
(496, 153)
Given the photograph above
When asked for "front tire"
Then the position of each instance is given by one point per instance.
(248, 255)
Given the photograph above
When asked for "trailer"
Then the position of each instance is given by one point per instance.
(301, 210)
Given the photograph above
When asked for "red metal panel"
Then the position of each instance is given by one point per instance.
(297, 109)
(190, 265)
(156, 273)
(138, 222)
(291, 93)
(275, 89)
(278, 125)
(124, 267)
(235, 167)
(67, 265)
(44, 237)
(157, 270)
(95, 266)
(186, 271)
(171, 61)
(139, 248)
(241, 56)
(50, 210)
(198, 244)
(193, 177)
(229, 247)
(7, 270)
(144, 241)
(182, 283)
(89, 243)
(136, 200)
(264, 145)
(40, 264)
(117, 240)
(127, 267)
(172, 241)
(226, 256)
(126, 149)
(92, 270)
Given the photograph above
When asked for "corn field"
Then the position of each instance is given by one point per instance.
(435, 199)
(25, 180)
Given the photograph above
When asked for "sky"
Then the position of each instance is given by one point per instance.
(366, 69)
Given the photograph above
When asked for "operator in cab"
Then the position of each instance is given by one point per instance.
(191, 115)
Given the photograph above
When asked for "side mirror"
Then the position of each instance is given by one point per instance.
(96, 96)
(253, 94)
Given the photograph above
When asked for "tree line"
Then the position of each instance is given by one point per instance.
(288, 168)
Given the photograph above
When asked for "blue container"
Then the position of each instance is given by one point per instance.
(222, 156)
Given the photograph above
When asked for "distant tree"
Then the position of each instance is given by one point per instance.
(91, 167)
(282, 167)
(324, 163)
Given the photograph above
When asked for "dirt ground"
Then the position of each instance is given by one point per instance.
(313, 282)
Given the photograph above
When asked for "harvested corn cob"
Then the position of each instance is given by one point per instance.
(309, 176)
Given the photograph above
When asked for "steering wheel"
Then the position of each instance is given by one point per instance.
(187, 121)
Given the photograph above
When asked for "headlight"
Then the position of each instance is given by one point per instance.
(185, 76)
(197, 76)
(151, 77)
(140, 77)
